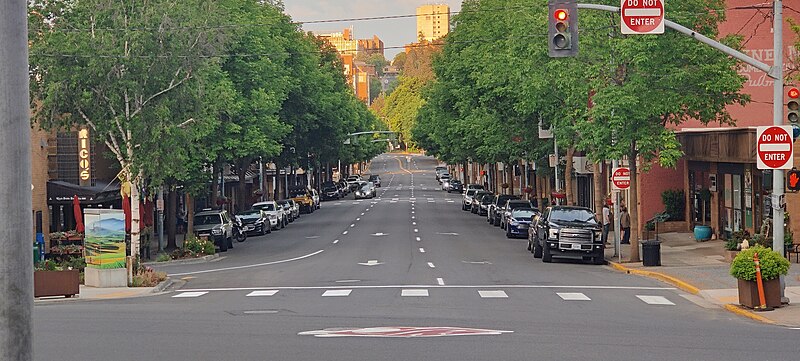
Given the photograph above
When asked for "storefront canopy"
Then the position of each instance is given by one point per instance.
(62, 193)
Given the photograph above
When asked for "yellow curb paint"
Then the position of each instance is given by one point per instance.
(747, 313)
(659, 276)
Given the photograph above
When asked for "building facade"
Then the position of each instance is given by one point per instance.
(348, 49)
(433, 22)
(371, 46)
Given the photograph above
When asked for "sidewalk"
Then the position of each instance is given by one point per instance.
(700, 268)
(91, 293)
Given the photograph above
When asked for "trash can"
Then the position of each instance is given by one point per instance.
(651, 253)
(36, 258)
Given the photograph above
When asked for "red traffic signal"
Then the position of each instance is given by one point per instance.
(793, 93)
(561, 14)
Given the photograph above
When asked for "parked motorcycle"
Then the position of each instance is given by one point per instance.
(239, 231)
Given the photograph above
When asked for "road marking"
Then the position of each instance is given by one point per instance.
(358, 219)
(493, 294)
(347, 281)
(477, 262)
(416, 230)
(421, 250)
(414, 293)
(266, 293)
(337, 293)
(413, 217)
(447, 234)
(440, 281)
(345, 232)
(249, 266)
(413, 223)
(655, 300)
(190, 294)
(372, 262)
(379, 234)
(573, 296)
(336, 241)
(312, 237)
(261, 312)
(419, 239)
(352, 225)
(430, 264)
(491, 287)
(363, 213)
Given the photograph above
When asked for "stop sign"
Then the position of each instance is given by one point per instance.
(775, 148)
(642, 16)
(621, 178)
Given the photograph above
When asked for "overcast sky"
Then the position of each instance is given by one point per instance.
(393, 32)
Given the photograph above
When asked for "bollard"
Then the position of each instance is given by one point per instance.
(761, 299)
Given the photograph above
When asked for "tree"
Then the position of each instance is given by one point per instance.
(399, 60)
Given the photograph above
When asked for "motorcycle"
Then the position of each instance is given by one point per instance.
(239, 230)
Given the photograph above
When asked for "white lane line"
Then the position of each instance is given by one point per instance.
(416, 230)
(358, 219)
(363, 213)
(345, 232)
(250, 265)
(352, 225)
(190, 294)
(413, 223)
(419, 239)
(266, 293)
(655, 300)
(422, 250)
(430, 264)
(260, 312)
(412, 212)
(440, 281)
(413, 217)
(414, 293)
(493, 294)
(337, 293)
(336, 241)
(573, 296)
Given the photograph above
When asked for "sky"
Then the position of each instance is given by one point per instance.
(393, 32)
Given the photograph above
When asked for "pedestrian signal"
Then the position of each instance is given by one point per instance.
(793, 180)
(563, 28)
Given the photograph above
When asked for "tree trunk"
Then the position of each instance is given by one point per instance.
(189, 215)
(214, 183)
(170, 218)
(135, 221)
(511, 178)
(634, 204)
(570, 196)
(599, 181)
(465, 174)
(242, 197)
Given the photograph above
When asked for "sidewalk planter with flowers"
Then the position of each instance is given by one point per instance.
(50, 280)
(773, 265)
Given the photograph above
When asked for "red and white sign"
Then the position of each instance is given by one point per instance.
(402, 332)
(775, 148)
(621, 178)
(642, 16)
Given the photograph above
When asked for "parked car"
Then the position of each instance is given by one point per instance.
(315, 198)
(477, 199)
(455, 185)
(255, 221)
(473, 186)
(303, 197)
(443, 179)
(367, 190)
(519, 221)
(568, 232)
(439, 171)
(466, 201)
(216, 226)
(274, 213)
(496, 209)
(352, 182)
(330, 191)
(288, 209)
(376, 180)
(511, 205)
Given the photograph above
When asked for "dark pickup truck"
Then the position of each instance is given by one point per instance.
(567, 232)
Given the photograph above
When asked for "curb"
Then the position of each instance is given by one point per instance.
(203, 259)
(747, 313)
(163, 285)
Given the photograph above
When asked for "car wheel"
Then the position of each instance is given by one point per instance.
(230, 242)
(529, 246)
(496, 221)
(537, 251)
(598, 260)
(263, 230)
(546, 256)
(508, 233)
(223, 245)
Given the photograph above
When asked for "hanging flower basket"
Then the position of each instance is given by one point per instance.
(528, 190)
(504, 185)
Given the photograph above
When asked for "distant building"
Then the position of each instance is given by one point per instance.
(370, 46)
(433, 22)
(342, 41)
(357, 74)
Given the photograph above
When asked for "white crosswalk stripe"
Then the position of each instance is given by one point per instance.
(262, 293)
(573, 296)
(337, 293)
(189, 294)
(655, 300)
(493, 294)
(414, 293)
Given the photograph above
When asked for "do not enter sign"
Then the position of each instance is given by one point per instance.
(642, 16)
(775, 148)
(621, 178)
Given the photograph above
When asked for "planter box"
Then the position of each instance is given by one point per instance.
(748, 293)
(56, 283)
(730, 255)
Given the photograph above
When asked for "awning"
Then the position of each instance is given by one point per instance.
(61, 193)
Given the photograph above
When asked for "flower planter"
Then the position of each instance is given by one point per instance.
(56, 283)
(702, 233)
(748, 293)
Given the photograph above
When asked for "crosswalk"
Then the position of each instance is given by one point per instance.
(654, 300)
(393, 200)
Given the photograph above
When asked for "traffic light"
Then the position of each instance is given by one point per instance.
(793, 105)
(563, 28)
(793, 180)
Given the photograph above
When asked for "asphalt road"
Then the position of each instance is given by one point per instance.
(408, 258)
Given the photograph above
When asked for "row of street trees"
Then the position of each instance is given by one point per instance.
(618, 99)
(177, 90)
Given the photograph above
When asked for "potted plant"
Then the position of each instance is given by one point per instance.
(51, 279)
(773, 265)
(734, 244)
(703, 232)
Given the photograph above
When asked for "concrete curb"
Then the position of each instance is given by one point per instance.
(204, 259)
(163, 285)
(686, 286)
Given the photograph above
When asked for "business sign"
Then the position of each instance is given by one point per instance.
(84, 162)
(775, 147)
(642, 16)
(621, 178)
(104, 244)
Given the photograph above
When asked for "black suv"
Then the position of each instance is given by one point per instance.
(330, 191)
(486, 201)
(569, 232)
(497, 209)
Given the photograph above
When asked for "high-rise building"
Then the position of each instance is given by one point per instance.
(433, 22)
(342, 41)
(371, 46)
(348, 47)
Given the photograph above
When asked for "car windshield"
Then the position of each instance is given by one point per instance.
(373, 177)
(267, 207)
(488, 199)
(205, 219)
(471, 192)
(352, 178)
(329, 189)
(524, 213)
(519, 205)
(255, 214)
(475, 186)
(366, 188)
(299, 193)
(572, 215)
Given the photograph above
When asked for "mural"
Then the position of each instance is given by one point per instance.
(105, 238)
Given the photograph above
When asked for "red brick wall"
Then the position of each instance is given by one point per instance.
(653, 183)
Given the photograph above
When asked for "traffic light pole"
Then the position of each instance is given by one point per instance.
(16, 223)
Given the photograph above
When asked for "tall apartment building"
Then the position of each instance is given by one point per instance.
(348, 48)
(433, 22)
(371, 46)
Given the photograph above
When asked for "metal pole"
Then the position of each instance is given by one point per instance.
(161, 219)
(261, 177)
(777, 103)
(617, 223)
(16, 223)
(555, 147)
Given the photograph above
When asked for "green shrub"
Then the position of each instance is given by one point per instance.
(163, 257)
(732, 244)
(199, 246)
(674, 204)
(772, 264)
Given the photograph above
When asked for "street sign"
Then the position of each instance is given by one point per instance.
(774, 147)
(621, 178)
(642, 16)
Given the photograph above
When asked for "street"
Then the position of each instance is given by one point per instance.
(407, 258)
